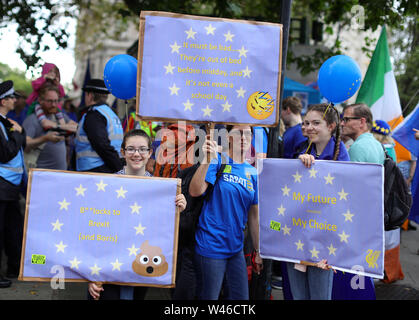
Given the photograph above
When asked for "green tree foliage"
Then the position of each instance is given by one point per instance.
(35, 19)
(18, 77)
(406, 64)
(107, 19)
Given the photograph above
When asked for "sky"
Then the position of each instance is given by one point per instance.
(63, 59)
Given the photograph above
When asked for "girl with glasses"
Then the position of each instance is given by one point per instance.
(136, 150)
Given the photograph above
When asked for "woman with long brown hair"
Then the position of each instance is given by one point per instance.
(322, 127)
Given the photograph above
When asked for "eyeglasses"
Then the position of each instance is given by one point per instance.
(346, 119)
(132, 150)
(239, 133)
(50, 101)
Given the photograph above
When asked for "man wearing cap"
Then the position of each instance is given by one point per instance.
(12, 176)
(99, 135)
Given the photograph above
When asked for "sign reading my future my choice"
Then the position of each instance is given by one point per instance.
(206, 69)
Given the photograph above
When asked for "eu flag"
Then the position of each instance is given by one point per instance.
(208, 69)
(333, 211)
(100, 227)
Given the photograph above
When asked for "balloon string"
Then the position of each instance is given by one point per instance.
(126, 111)
(324, 115)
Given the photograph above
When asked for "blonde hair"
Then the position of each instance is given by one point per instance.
(383, 139)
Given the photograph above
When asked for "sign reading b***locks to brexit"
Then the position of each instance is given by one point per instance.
(332, 211)
(100, 227)
(204, 69)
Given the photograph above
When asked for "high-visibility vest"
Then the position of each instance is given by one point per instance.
(86, 157)
(13, 170)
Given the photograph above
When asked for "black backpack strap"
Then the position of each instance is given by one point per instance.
(219, 173)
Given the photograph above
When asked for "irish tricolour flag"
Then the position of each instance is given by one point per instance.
(379, 91)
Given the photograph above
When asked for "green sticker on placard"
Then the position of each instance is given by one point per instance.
(275, 225)
(38, 259)
(227, 169)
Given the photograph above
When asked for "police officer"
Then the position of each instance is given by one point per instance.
(12, 176)
(99, 135)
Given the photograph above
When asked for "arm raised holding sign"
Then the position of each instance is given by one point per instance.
(219, 234)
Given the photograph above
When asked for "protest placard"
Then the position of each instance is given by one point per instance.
(205, 69)
(333, 211)
(100, 227)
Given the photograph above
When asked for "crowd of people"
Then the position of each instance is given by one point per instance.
(41, 133)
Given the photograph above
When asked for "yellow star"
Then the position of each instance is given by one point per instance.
(116, 265)
(210, 29)
(332, 250)
(329, 179)
(133, 250)
(57, 225)
(342, 194)
(135, 208)
(242, 52)
(95, 270)
(226, 106)
(313, 173)
(188, 105)
(299, 245)
(74, 263)
(139, 229)
(246, 72)
(286, 230)
(174, 90)
(207, 111)
(64, 204)
(285, 191)
(101, 186)
(314, 253)
(348, 216)
(228, 36)
(169, 68)
(240, 92)
(190, 33)
(297, 177)
(175, 47)
(121, 192)
(281, 211)
(80, 190)
(343, 237)
(60, 247)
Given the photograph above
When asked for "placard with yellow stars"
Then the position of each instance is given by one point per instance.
(332, 211)
(97, 227)
(206, 69)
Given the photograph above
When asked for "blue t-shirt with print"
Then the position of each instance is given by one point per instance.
(223, 218)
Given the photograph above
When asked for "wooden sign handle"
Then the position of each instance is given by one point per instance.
(308, 263)
(209, 126)
(99, 284)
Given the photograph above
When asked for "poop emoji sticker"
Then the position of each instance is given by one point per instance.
(150, 262)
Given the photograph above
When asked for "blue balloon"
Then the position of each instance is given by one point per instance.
(339, 78)
(120, 76)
